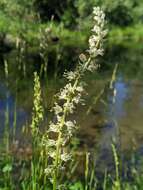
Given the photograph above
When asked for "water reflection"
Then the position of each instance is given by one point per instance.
(7, 104)
(126, 121)
(117, 108)
(121, 120)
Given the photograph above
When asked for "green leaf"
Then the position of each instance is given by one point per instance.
(7, 168)
(76, 186)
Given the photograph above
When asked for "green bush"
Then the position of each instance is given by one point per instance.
(73, 12)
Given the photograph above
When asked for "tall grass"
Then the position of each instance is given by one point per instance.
(49, 165)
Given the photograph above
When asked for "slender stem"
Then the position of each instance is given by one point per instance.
(58, 148)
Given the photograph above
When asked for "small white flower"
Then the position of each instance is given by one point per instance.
(53, 128)
(70, 124)
(79, 89)
(51, 143)
(48, 171)
(58, 109)
(96, 29)
(70, 107)
(96, 10)
(77, 99)
(52, 154)
(70, 75)
(65, 157)
(65, 92)
(100, 51)
(92, 67)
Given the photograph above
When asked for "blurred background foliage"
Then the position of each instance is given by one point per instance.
(17, 16)
(71, 22)
(75, 13)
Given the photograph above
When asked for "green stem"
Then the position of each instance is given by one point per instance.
(58, 148)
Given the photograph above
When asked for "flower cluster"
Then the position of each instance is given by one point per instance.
(61, 129)
(95, 40)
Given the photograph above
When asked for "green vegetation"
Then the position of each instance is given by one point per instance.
(52, 158)
(20, 18)
(25, 22)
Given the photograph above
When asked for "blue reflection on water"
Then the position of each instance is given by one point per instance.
(115, 112)
(117, 109)
(8, 101)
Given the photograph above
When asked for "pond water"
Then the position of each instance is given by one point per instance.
(118, 117)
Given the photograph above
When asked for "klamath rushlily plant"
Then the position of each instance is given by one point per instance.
(61, 128)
